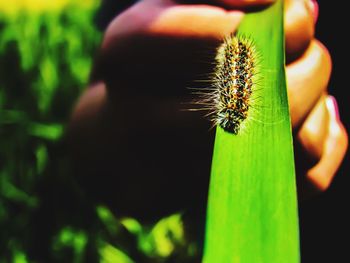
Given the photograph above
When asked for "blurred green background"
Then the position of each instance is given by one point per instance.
(46, 53)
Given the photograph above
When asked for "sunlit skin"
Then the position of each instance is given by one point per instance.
(128, 133)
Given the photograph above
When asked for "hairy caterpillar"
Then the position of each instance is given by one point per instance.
(230, 96)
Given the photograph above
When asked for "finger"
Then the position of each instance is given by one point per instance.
(299, 25)
(314, 130)
(307, 79)
(163, 39)
(325, 138)
(196, 21)
(175, 20)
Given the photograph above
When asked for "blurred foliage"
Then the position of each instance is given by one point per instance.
(46, 52)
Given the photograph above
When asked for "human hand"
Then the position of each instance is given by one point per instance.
(150, 54)
(320, 138)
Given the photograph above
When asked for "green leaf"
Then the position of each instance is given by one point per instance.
(69, 237)
(167, 235)
(252, 206)
(11, 192)
(51, 132)
(111, 254)
(19, 257)
(108, 219)
(41, 158)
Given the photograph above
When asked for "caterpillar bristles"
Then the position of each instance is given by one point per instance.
(229, 97)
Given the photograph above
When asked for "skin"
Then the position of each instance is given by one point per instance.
(138, 158)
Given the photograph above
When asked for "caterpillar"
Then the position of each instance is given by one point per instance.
(229, 98)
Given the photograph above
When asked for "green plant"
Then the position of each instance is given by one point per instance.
(46, 53)
(252, 207)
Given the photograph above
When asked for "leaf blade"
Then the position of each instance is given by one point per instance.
(252, 205)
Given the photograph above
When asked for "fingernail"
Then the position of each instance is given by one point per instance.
(333, 108)
(315, 9)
